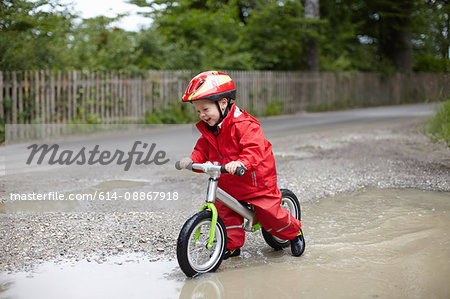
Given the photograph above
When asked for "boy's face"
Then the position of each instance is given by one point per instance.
(207, 110)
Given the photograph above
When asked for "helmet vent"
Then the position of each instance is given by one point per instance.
(199, 85)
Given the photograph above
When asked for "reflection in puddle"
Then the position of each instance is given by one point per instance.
(131, 276)
(374, 244)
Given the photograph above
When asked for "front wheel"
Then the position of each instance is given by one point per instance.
(289, 202)
(192, 254)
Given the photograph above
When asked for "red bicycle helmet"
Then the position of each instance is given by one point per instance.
(210, 85)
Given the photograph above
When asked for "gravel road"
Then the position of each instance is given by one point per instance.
(314, 162)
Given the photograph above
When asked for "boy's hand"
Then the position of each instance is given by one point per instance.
(232, 166)
(185, 162)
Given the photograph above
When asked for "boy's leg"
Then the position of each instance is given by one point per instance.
(276, 220)
(234, 225)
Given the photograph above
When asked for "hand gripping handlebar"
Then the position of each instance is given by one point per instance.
(205, 167)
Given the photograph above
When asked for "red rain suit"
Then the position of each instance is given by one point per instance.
(241, 139)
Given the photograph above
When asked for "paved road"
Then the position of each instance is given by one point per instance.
(178, 140)
(281, 125)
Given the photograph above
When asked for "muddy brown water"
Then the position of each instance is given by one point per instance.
(372, 244)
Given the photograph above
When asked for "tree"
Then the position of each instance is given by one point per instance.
(391, 25)
(252, 34)
(434, 39)
(343, 46)
(97, 45)
(199, 34)
(273, 35)
(31, 37)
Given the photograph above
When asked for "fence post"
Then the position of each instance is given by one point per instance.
(120, 96)
(107, 96)
(20, 98)
(47, 97)
(115, 96)
(102, 96)
(27, 95)
(14, 98)
(74, 95)
(52, 97)
(42, 83)
(58, 97)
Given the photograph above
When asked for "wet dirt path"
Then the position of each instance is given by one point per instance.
(377, 243)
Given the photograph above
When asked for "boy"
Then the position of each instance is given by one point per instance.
(234, 138)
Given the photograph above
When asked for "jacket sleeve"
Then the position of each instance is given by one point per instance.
(252, 144)
(200, 153)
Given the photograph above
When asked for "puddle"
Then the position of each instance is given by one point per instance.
(373, 244)
(131, 276)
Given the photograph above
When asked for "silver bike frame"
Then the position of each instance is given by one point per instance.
(214, 192)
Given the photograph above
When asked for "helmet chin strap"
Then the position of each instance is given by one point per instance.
(222, 116)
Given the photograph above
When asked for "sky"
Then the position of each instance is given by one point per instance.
(110, 8)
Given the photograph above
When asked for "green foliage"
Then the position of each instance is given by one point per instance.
(434, 39)
(150, 52)
(33, 38)
(438, 128)
(274, 107)
(98, 46)
(432, 64)
(340, 49)
(91, 119)
(178, 113)
(352, 35)
(273, 35)
(200, 35)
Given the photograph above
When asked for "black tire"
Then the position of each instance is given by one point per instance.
(290, 202)
(194, 257)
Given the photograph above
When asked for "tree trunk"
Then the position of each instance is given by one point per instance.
(311, 47)
(402, 52)
(312, 9)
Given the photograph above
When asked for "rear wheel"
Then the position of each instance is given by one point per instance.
(289, 202)
(192, 254)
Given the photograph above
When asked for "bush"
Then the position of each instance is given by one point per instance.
(92, 119)
(274, 107)
(178, 113)
(438, 128)
(431, 64)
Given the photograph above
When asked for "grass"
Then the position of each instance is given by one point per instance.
(438, 128)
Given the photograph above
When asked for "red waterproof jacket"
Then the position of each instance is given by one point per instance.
(240, 139)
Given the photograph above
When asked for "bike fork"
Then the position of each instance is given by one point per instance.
(210, 199)
(230, 202)
(212, 231)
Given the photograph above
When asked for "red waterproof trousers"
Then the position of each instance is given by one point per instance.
(276, 220)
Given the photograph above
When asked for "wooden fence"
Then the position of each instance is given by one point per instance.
(37, 97)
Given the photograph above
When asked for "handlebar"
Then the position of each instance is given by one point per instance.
(208, 166)
(177, 165)
(239, 171)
